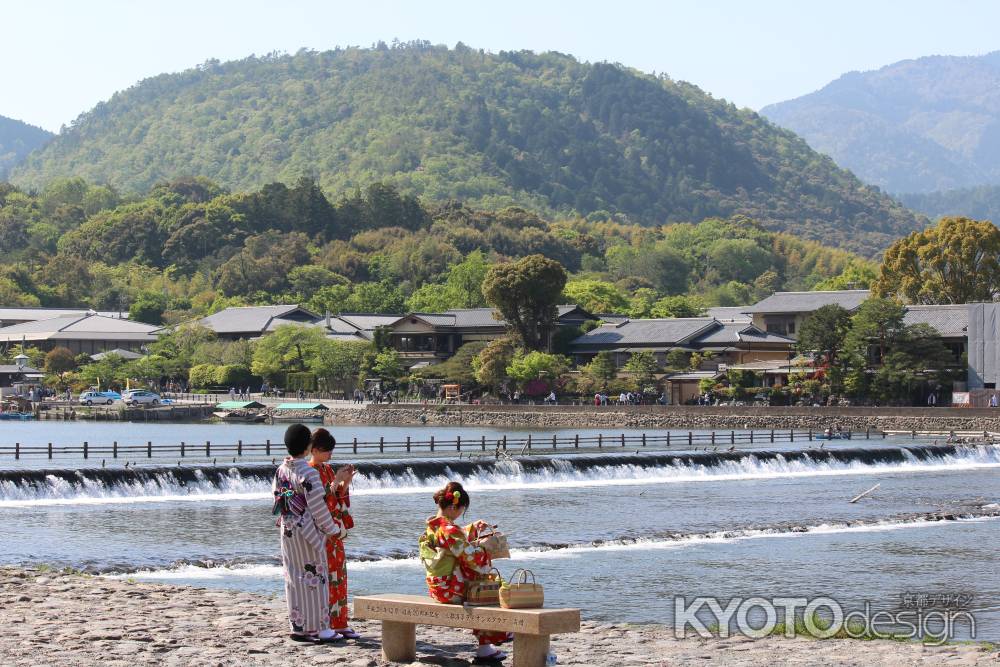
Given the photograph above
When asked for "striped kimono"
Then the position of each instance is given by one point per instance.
(305, 523)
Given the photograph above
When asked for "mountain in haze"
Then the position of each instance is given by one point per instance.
(542, 131)
(17, 139)
(979, 203)
(916, 126)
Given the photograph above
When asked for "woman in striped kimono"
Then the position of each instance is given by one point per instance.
(305, 523)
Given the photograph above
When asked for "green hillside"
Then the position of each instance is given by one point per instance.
(541, 131)
(17, 139)
(188, 248)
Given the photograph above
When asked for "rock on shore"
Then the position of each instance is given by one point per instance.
(53, 618)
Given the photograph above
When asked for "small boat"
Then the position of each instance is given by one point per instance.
(832, 436)
(304, 419)
(241, 418)
(16, 415)
(308, 413)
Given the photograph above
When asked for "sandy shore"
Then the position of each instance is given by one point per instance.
(52, 618)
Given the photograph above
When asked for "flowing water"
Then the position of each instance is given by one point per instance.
(638, 529)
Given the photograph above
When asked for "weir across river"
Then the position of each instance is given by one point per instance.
(498, 447)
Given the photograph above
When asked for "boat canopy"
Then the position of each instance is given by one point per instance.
(239, 405)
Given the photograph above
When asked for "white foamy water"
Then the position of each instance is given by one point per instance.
(194, 572)
(504, 477)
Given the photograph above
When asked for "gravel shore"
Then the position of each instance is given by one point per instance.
(54, 618)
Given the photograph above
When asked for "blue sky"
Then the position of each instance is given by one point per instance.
(62, 57)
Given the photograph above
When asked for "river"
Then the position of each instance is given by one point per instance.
(635, 531)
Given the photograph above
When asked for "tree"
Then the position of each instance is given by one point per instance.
(431, 298)
(643, 368)
(465, 281)
(859, 274)
(741, 260)
(59, 360)
(876, 321)
(678, 359)
(388, 364)
(823, 332)
(641, 304)
(526, 293)
(602, 368)
(956, 261)
(596, 296)
(526, 367)
(181, 344)
(380, 297)
(148, 308)
(678, 306)
(340, 362)
(202, 376)
(288, 347)
(664, 267)
(490, 365)
(459, 368)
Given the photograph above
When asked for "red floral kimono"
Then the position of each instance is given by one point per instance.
(471, 562)
(338, 501)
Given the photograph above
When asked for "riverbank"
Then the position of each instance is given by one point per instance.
(675, 417)
(56, 618)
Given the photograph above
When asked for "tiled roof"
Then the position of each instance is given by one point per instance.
(12, 368)
(253, 319)
(728, 332)
(807, 302)
(32, 314)
(368, 321)
(664, 332)
(476, 317)
(124, 354)
(77, 327)
(729, 313)
(694, 375)
(948, 320)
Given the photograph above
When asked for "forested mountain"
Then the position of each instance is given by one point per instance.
(979, 203)
(914, 126)
(17, 139)
(541, 131)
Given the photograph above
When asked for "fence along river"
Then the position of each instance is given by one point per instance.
(503, 445)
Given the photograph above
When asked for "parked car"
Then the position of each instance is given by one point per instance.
(99, 397)
(141, 397)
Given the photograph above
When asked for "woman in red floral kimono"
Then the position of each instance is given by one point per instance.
(337, 486)
(453, 556)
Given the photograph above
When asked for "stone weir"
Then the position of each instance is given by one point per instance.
(389, 472)
(856, 419)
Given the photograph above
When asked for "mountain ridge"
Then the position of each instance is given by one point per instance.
(543, 131)
(915, 126)
(17, 140)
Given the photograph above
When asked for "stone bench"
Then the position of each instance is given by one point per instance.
(400, 614)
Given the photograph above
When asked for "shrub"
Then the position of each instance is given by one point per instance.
(203, 375)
